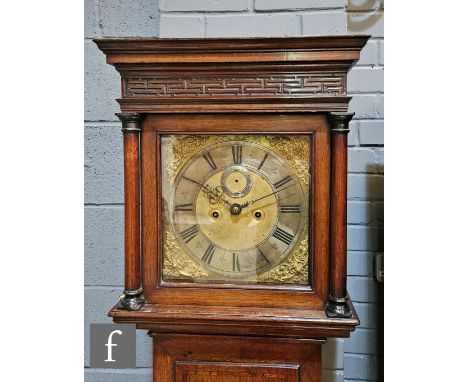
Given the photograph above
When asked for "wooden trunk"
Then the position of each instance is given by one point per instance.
(195, 358)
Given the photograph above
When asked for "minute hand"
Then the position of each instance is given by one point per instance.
(266, 196)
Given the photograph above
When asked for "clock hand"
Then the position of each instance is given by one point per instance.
(275, 202)
(208, 190)
(195, 182)
(265, 196)
(245, 204)
(200, 185)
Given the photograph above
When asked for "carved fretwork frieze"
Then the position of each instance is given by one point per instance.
(234, 75)
(218, 85)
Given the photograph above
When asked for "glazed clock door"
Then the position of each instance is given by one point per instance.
(235, 207)
(233, 210)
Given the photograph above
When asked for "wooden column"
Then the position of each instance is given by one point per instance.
(337, 301)
(132, 298)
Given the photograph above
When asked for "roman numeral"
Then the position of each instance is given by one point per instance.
(235, 263)
(283, 236)
(208, 254)
(263, 255)
(189, 233)
(237, 154)
(290, 209)
(210, 161)
(262, 162)
(184, 207)
(282, 182)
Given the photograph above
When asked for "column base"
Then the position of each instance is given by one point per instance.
(337, 307)
(132, 299)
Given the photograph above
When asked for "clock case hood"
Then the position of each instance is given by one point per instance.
(234, 75)
(293, 74)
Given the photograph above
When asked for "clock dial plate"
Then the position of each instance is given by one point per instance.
(236, 208)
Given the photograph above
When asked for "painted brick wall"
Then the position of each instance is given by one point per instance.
(357, 358)
(104, 173)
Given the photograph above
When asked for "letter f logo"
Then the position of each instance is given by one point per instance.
(110, 345)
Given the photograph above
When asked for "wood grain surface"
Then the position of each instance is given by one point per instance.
(288, 85)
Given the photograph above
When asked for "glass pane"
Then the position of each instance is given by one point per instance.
(235, 208)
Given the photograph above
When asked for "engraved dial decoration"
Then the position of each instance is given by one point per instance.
(237, 209)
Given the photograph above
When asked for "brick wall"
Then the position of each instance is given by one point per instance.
(104, 173)
(356, 358)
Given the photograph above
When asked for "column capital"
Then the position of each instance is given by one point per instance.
(339, 121)
(130, 122)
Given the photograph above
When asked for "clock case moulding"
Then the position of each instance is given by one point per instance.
(293, 85)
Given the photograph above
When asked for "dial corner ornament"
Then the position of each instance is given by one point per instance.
(237, 209)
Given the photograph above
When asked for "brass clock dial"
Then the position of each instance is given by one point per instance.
(237, 209)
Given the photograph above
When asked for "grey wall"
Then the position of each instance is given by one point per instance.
(104, 173)
(356, 358)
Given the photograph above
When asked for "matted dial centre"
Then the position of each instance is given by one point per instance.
(237, 231)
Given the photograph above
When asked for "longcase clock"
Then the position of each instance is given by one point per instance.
(235, 164)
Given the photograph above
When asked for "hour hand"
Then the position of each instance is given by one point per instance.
(212, 193)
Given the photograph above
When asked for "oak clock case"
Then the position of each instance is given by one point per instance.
(235, 179)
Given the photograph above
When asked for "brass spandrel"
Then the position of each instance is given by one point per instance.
(293, 269)
(294, 149)
(177, 264)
